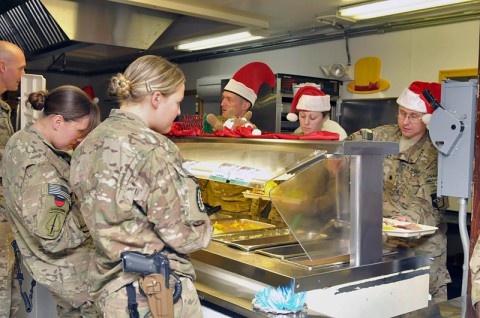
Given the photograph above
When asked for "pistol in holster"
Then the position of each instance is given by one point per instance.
(154, 281)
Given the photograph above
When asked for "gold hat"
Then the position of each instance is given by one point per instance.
(367, 77)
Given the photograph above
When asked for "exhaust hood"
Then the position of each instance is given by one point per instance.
(97, 37)
(45, 27)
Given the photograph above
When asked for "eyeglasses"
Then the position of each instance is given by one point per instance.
(414, 118)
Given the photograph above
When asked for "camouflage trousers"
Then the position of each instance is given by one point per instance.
(115, 304)
(9, 292)
(66, 310)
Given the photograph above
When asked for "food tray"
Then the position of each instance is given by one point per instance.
(282, 252)
(325, 261)
(398, 232)
(222, 226)
(254, 240)
(262, 242)
(252, 195)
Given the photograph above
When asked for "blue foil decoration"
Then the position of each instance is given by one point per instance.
(279, 299)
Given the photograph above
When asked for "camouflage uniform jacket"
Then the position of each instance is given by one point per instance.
(136, 196)
(6, 129)
(410, 189)
(475, 271)
(52, 237)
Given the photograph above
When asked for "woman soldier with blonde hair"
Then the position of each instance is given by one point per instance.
(135, 195)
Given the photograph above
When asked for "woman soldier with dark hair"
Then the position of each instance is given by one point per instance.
(41, 207)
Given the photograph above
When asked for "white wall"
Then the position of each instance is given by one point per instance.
(406, 56)
(410, 55)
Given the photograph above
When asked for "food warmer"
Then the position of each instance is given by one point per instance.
(329, 194)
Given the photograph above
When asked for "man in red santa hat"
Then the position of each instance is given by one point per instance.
(240, 93)
(410, 180)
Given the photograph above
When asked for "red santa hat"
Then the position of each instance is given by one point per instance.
(309, 98)
(89, 91)
(247, 81)
(413, 99)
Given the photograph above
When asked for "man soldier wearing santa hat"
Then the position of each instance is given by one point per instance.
(410, 178)
(313, 106)
(240, 93)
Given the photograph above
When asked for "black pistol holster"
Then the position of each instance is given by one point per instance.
(154, 282)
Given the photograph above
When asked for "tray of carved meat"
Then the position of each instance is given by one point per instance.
(392, 227)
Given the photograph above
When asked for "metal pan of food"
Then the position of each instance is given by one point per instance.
(282, 252)
(223, 226)
(262, 242)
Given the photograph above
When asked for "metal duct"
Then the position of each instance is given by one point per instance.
(39, 26)
(31, 27)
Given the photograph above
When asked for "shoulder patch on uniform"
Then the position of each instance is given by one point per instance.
(60, 193)
(366, 133)
(437, 202)
(201, 206)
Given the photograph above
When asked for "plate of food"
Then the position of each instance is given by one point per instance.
(392, 227)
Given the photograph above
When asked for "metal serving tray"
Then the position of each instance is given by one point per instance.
(256, 239)
(262, 242)
(282, 252)
(238, 225)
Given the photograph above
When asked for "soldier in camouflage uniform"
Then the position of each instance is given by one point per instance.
(12, 67)
(53, 239)
(135, 193)
(410, 177)
(239, 94)
(475, 279)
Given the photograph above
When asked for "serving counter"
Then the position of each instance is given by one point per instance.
(330, 196)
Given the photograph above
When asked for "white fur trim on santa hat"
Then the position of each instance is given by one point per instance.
(241, 89)
(412, 101)
(314, 103)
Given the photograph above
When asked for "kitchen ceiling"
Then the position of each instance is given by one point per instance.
(92, 37)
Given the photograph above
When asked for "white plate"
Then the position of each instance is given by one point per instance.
(425, 230)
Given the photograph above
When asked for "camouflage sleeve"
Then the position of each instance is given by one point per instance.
(174, 205)
(475, 272)
(426, 203)
(47, 209)
(362, 134)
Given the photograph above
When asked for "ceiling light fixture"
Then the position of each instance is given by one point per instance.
(222, 40)
(388, 7)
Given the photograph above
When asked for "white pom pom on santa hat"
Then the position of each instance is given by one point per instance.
(426, 119)
(309, 98)
(292, 117)
(89, 91)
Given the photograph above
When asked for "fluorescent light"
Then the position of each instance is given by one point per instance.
(217, 41)
(389, 7)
